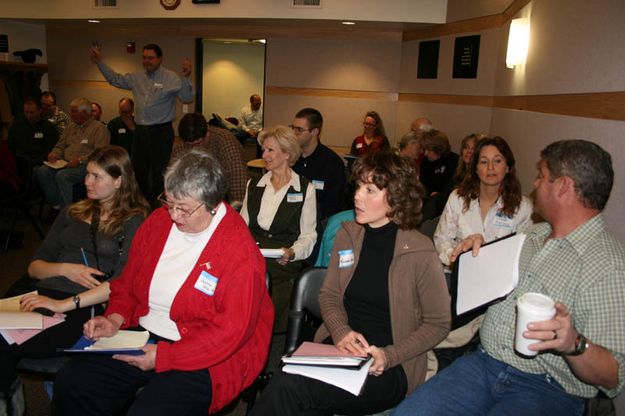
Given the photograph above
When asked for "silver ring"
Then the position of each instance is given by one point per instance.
(555, 335)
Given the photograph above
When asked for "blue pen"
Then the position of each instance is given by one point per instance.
(84, 257)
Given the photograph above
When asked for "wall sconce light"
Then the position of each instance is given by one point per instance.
(518, 42)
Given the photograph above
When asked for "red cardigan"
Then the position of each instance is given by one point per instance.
(227, 333)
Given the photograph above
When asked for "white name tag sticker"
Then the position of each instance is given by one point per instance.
(294, 197)
(206, 283)
(501, 220)
(346, 258)
(318, 185)
(158, 85)
(121, 131)
(358, 145)
(84, 141)
(38, 135)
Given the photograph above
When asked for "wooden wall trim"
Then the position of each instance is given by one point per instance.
(603, 105)
(479, 100)
(469, 25)
(320, 92)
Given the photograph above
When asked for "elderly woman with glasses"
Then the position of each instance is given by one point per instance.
(196, 281)
(281, 211)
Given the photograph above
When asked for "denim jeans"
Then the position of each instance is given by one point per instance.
(58, 184)
(478, 384)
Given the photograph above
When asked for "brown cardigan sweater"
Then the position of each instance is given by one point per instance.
(419, 299)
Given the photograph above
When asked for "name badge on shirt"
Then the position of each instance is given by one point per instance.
(346, 258)
(121, 131)
(158, 85)
(502, 220)
(294, 197)
(38, 135)
(84, 141)
(358, 145)
(318, 185)
(206, 283)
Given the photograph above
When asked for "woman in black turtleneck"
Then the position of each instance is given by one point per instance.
(384, 295)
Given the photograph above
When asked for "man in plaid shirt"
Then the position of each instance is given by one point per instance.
(573, 259)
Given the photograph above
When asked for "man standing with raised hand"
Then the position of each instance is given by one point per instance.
(155, 91)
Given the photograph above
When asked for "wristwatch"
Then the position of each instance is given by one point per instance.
(76, 300)
(581, 345)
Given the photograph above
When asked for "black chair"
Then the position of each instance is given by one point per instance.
(304, 301)
(20, 202)
(304, 313)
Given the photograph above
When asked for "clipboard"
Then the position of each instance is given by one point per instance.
(82, 346)
(511, 260)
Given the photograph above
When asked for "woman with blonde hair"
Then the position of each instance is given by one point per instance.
(280, 210)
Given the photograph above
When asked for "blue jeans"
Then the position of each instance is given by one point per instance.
(58, 184)
(478, 384)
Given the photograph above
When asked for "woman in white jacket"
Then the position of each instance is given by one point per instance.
(487, 205)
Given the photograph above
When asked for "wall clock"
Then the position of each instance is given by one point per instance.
(170, 4)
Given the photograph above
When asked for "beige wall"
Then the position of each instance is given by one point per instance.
(342, 68)
(232, 72)
(573, 48)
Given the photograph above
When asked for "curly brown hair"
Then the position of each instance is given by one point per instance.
(510, 189)
(128, 200)
(404, 192)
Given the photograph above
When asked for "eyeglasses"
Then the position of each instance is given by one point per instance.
(180, 211)
(298, 129)
(369, 124)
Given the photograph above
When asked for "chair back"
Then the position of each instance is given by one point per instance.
(304, 301)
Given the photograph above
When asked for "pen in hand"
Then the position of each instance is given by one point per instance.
(84, 257)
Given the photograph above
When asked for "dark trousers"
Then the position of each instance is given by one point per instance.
(151, 150)
(100, 385)
(292, 395)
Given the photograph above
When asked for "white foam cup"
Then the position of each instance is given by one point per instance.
(531, 307)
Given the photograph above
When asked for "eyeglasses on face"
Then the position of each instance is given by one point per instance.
(298, 129)
(368, 124)
(172, 207)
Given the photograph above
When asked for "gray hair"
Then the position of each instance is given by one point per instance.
(409, 138)
(83, 104)
(196, 174)
(587, 164)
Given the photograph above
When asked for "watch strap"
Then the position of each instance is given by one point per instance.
(581, 345)
(76, 300)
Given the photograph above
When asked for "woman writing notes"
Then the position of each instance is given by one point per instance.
(196, 281)
(87, 244)
(280, 210)
(384, 294)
